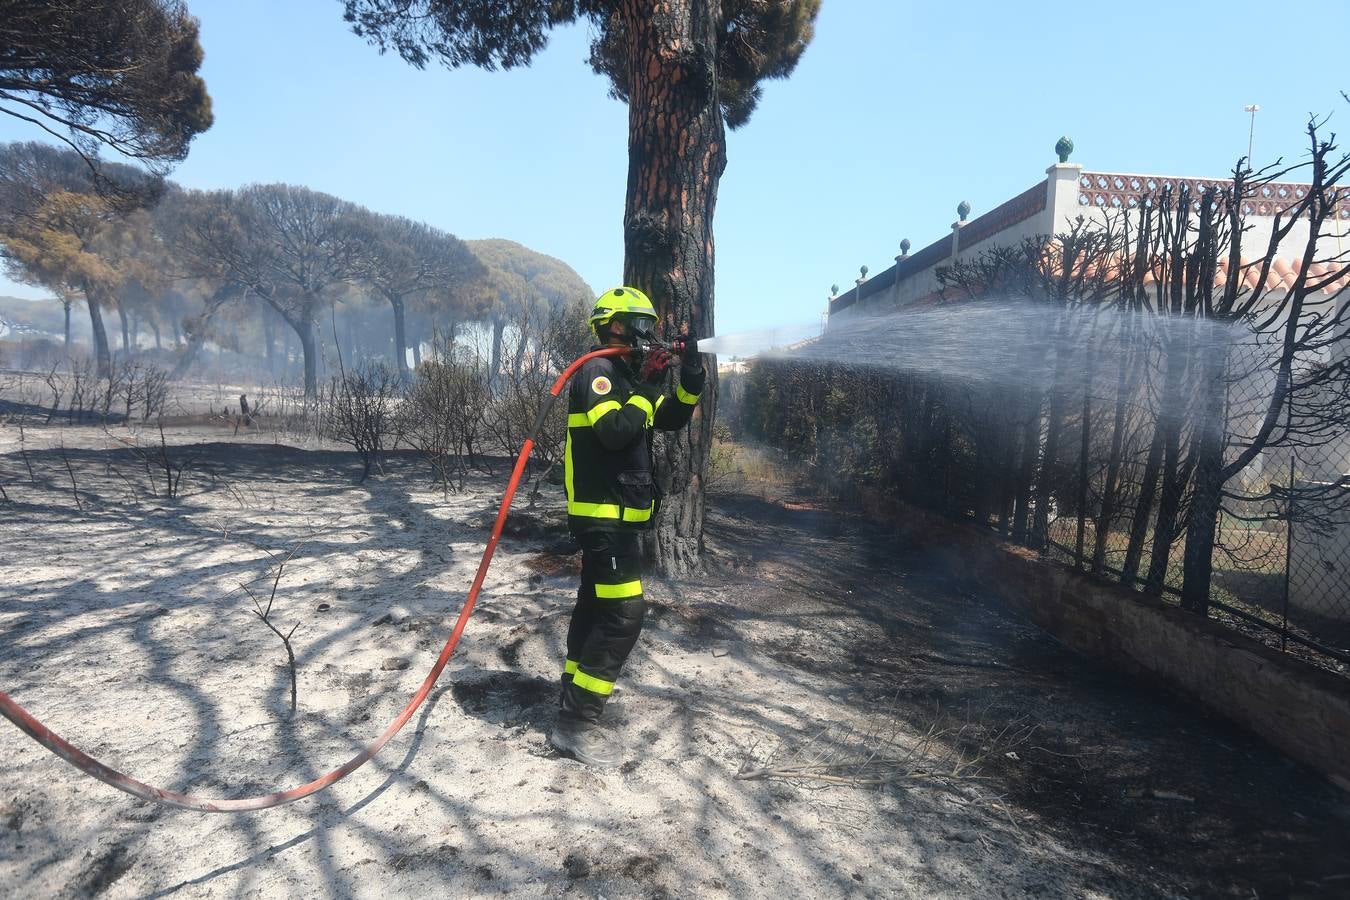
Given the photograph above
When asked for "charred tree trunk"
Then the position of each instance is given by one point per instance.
(65, 307)
(1084, 453)
(676, 156)
(1174, 412)
(159, 340)
(102, 355)
(1007, 480)
(1169, 506)
(1054, 428)
(1143, 510)
(1202, 523)
(1029, 451)
(1110, 488)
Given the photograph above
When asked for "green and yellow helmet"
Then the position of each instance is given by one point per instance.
(633, 306)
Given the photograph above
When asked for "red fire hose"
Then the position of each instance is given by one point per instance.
(90, 766)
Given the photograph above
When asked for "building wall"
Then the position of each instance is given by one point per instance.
(913, 279)
(1069, 192)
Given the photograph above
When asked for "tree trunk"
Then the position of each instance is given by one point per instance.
(126, 335)
(1202, 523)
(1143, 509)
(102, 355)
(518, 358)
(350, 355)
(269, 330)
(177, 332)
(495, 365)
(1169, 506)
(189, 356)
(1054, 427)
(400, 338)
(676, 156)
(159, 342)
(1029, 450)
(65, 305)
(304, 330)
(1084, 454)
(287, 370)
(1124, 387)
(1007, 465)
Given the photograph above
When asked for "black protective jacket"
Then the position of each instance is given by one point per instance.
(608, 459)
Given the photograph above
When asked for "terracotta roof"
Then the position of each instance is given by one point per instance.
(1284, 272)
(1280, 277)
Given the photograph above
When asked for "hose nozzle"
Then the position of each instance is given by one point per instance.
(683, 345)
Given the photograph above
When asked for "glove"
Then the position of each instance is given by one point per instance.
(690, 357)
(655, 362)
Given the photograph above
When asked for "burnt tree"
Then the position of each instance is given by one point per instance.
(687, 69)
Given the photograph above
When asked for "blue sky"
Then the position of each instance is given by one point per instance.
(897, 112)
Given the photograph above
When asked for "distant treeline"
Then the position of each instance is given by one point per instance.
(288, 278)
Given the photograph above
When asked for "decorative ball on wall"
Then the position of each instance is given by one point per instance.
(1064, 147)
(963, 209)
(863, 270)
(904, 247)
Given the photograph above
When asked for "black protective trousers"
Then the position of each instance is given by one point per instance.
(605, 623)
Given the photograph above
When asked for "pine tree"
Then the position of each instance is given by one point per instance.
(687, 69)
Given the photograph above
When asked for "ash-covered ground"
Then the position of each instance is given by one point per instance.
(905, 737)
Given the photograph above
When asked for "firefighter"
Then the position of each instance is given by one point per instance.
(613, 406)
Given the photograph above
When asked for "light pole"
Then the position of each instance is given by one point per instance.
(1252, 108)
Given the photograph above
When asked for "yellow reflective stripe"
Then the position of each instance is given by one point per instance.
(642, 403)
(594, 510)
(631, 514)
(599, 409)
(659, 401)
(684, 396)
(593, 684)
(567, 468)
(570, 668)
(618, 591)
(604, 510)
(578, 420)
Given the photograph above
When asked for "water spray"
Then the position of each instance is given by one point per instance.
(743, 344)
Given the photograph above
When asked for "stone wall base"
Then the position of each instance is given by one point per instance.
(1300, 709)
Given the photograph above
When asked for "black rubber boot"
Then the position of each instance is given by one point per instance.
(586, 742)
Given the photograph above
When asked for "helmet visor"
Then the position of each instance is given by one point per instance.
(639, 326)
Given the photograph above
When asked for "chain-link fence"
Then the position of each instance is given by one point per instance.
(1281, 544)
(1097, 445)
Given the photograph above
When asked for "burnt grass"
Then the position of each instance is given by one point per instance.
(1179, 802)
(1179, 799)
